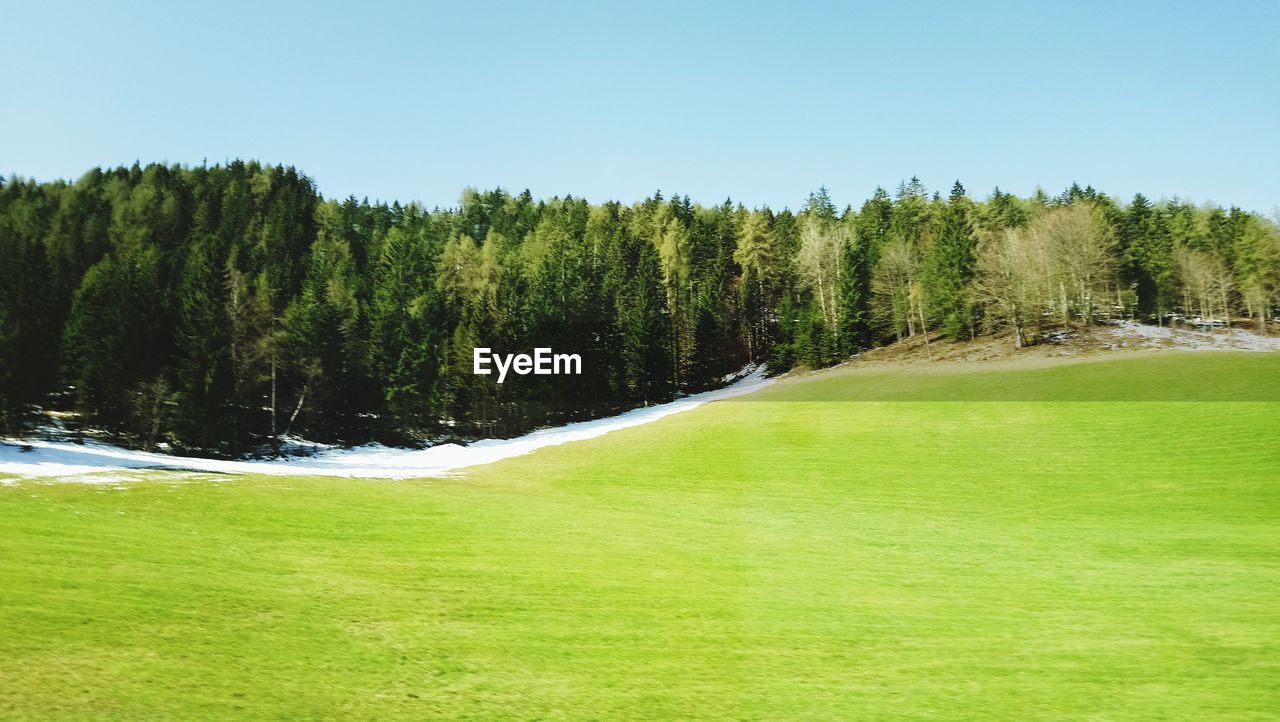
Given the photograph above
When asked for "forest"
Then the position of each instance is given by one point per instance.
(222, 309)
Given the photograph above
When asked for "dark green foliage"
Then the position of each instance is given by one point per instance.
(643, 323)
(949, 268)
(911, 213)
(118, 334)
(220, 308)
(1004, 210)
(874, 223)
(403, 341)
(855, 294)
(322, 327)
(203, 365)
(28, 329)
(1148, 256)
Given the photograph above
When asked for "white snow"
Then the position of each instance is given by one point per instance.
(1234, 339)
(95, 461)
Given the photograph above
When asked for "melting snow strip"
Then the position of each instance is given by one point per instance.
(93, 461)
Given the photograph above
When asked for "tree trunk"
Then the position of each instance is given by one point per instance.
(924, 329)
(301, 397)
(275, 439)
(155, 419)
(1018, 339)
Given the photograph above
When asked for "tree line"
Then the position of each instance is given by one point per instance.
(220, 309)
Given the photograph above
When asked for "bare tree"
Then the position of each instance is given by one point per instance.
(1082, 249)
(1257, 264)
(757, 252)
(1013, 268)
(819, 262)
(153, 404)
(896, 274)
(1206, 284)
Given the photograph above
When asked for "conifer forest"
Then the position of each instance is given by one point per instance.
(220, 309)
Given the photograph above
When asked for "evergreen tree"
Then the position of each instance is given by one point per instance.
(949, 268)
(28, 340)
(222, 307)
(759, 257)
(403, 348)
(322, 327)
(854, 290)
(203, 371)
(1148, 257)
(115, 337)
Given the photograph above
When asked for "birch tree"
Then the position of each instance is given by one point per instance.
(896, 274)
(1257, 266)
(1206, 284)
(1013, 271)
(818, 262)
(1082, 251)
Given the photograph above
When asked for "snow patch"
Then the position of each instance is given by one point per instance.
(97, 462)
(1235, 339)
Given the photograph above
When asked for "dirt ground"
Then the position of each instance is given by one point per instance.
(1078, 342)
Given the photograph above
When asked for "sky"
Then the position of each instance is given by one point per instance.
(760, 102)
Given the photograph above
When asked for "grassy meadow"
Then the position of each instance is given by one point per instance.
(1068, 541)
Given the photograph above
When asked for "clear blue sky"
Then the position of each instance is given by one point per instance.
(762, 102)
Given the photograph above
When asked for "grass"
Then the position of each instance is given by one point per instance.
(871, 544)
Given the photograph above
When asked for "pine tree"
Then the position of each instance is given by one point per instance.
(874, 224)
(1148, 248)
(322, 327)
(402, 344)
(854, 291)
(645, 323)
(115, 333)
(949, 268)
(672, 243)
(819, 204)
(28, 340)
(203, 372)
(757, 254)
(268, 310)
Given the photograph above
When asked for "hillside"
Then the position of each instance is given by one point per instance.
(221, 310)
(1065, 539)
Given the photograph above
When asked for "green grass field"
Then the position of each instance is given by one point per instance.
(1068, 542)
